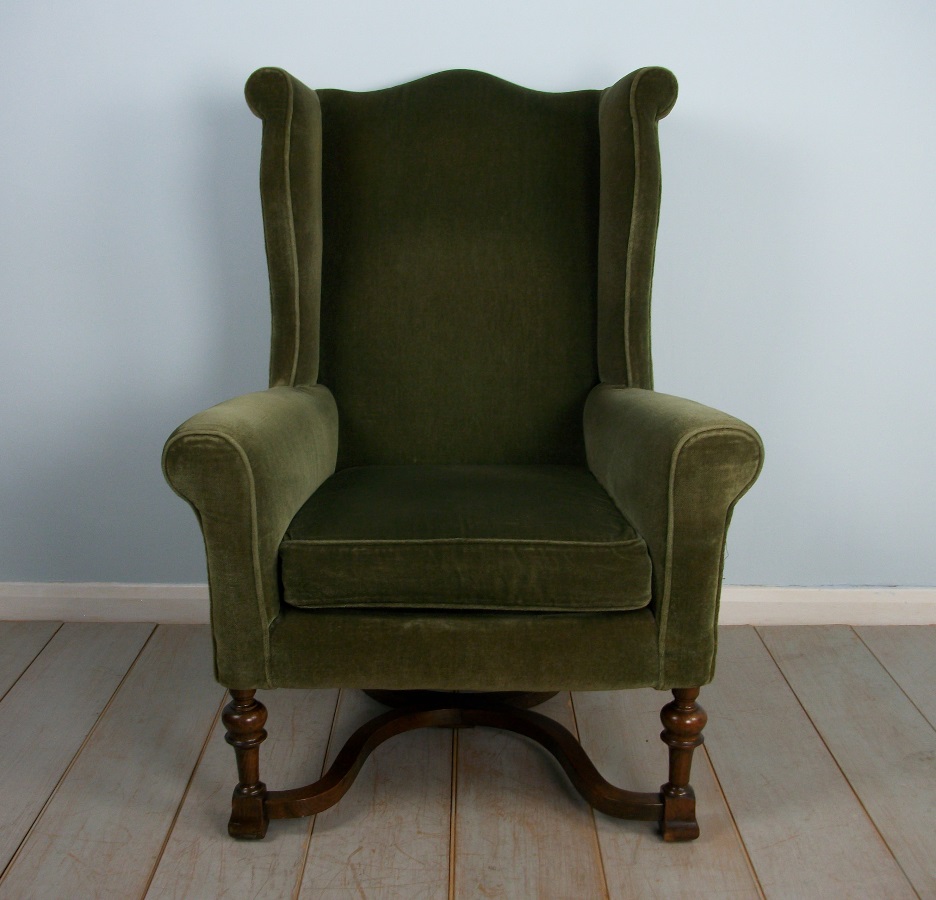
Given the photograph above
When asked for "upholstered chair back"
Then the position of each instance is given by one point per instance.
(448, 278)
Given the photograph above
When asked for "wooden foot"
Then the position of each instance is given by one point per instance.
(244, 718)
(683, 720)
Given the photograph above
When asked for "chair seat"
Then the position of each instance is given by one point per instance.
(484, 537)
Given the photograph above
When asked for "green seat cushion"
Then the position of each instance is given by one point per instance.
(485, 537)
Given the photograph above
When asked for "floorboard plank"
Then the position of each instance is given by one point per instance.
(104, 827)
(521, 830)
(389, 835)
(620, 731)
(805, 831)
(201, 859)
(885, 747)
(20, 643)
(49, 712)
(908, 652)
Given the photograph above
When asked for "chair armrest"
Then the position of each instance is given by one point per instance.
(246, 466)
(675, 469)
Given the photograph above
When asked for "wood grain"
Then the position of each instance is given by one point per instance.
(885, 747)
(200, 859)
(805, 831)
(20, 643)
(620, 731)
(389, 836)
(49, 712)
(909, 654)
(102, 831)
(520, 829)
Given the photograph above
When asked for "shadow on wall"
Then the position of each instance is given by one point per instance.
(181, 321)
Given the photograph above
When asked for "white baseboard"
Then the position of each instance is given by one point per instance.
(756, 605)
(187, 604)
(164, 604)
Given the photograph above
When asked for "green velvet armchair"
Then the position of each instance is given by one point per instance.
(460, 491)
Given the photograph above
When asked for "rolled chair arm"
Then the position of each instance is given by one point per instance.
(246, 466)
(675, 468)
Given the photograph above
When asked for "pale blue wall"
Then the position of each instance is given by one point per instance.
(795, 275)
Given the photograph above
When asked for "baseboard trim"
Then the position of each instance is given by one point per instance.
(164, 604)
(756, 605)
(187, 604)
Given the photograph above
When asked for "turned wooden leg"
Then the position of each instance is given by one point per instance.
(683, 720)
(244, 718)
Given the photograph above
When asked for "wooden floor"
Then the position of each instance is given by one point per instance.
(817, 779)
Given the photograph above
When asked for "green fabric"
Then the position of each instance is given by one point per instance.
(291, 195)
(455, 537)
(676, 469)
(463, 651)
(459, 270)
(246, 466)
(630, 207)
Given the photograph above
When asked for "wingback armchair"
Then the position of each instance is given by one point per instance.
(460, 491)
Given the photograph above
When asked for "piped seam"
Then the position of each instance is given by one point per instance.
(293, 250)
(254, 531)
(632, 106)
(685, 440)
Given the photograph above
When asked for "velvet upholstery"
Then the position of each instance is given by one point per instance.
(480, 651)
(628, 217)
(460, 276)
(535, 538)
(246, 466)
(459, 210)
(676, 469)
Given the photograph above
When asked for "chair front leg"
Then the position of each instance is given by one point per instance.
(683, 720)
(244, 718)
